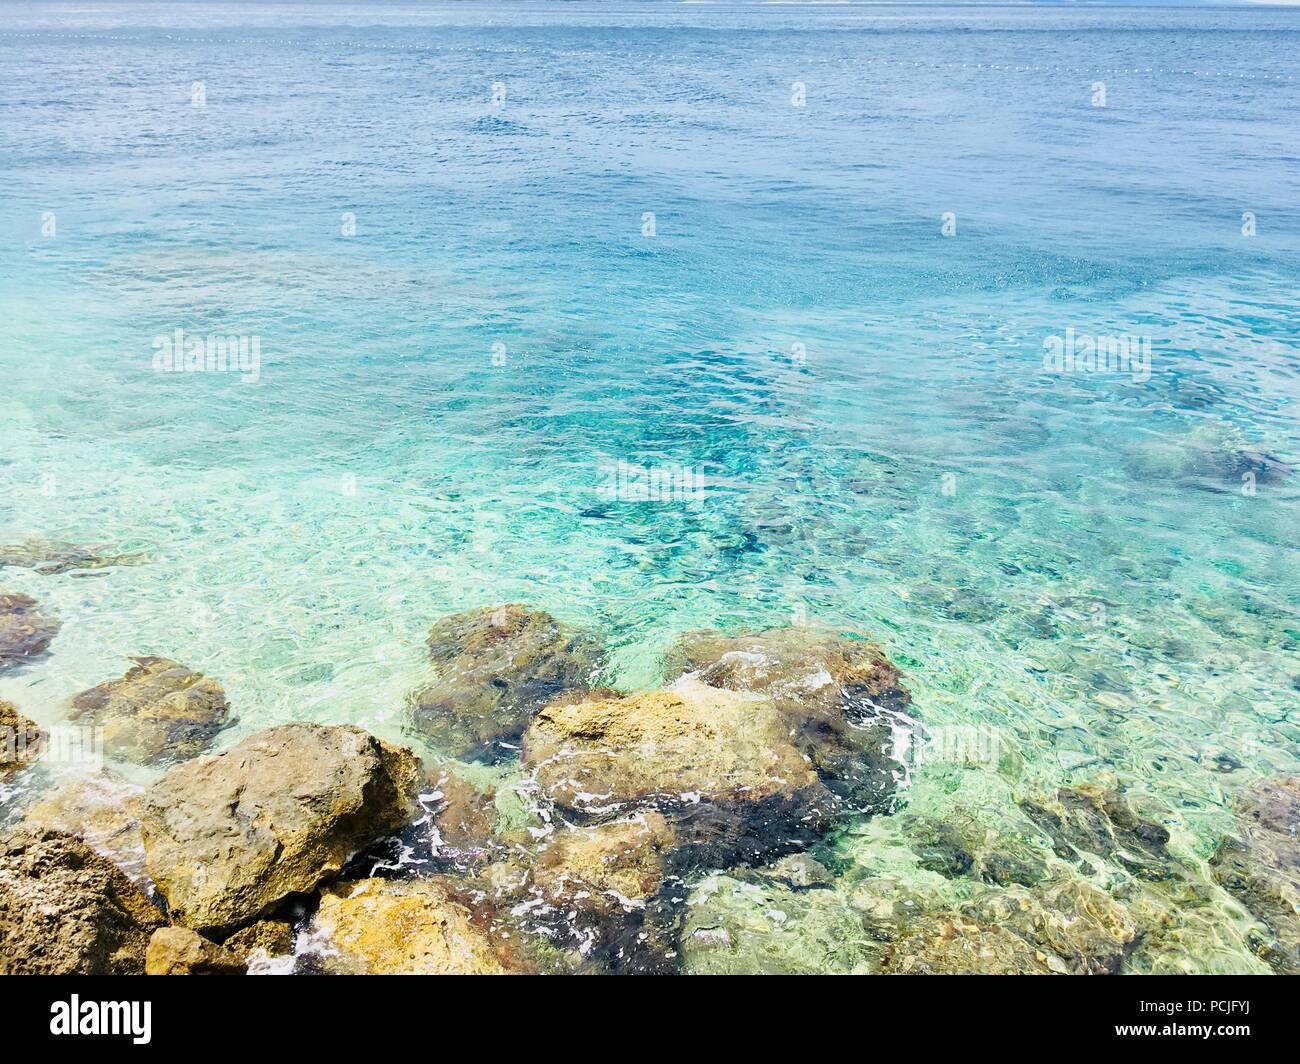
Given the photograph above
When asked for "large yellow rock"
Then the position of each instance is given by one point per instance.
(64, 910)
(227, 838)
(403, 927)
(838, 694)
(689, 742)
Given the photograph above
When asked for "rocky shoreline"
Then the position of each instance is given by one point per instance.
(690, 828)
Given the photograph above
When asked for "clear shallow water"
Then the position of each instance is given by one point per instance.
(1093, 582)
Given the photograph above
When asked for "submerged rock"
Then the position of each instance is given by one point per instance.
(25, 632)
(497, 666)
(180, 951)
(462, 815)
(950, 944)
(1099, 821)
(1263, 467)
(1079, 929)
(159, 711)
(939, 847)
(1261, 867)
(750, 925)
(800, 871)
(1007, 868)
(1065, 926)
(65, 910)
(50, 557)
(970, 845)
(20, 740)
(1212, 458)
(836, 693)
(103, 811)
(228, 837)
(959, 603)
(403, 927)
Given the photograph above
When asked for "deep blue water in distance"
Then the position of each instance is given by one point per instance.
(464, 321)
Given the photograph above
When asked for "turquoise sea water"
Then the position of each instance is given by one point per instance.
(1074, 560)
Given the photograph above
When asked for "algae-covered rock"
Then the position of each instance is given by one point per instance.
(403, 927)
(64, 910)
(102, 810)
(462, 815)
(750, 925)
(939, 846)
(614, 866)
(1007, 868)
(961, 844)
(1098, 821)
(159, 711)
(835, 692)
(951, 944)
(230, 836)
(180, 951)
(20, 740)
(1080, 929)
(1261, 867)
(1065, 926)
(25, 631)
(496, 667)
(591, 895)
(800, 871)
(51, 557)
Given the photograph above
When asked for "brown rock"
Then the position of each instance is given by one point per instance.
(159, 711)
(719, 764)
(25, 632)
(836, 692)
(1261, 867)
(227, 838)
(20, 740)
(689, 743)
(595, 892)
(619, 865)
(497, 666)
(64, 910)
(809, 668)
(462, 814)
